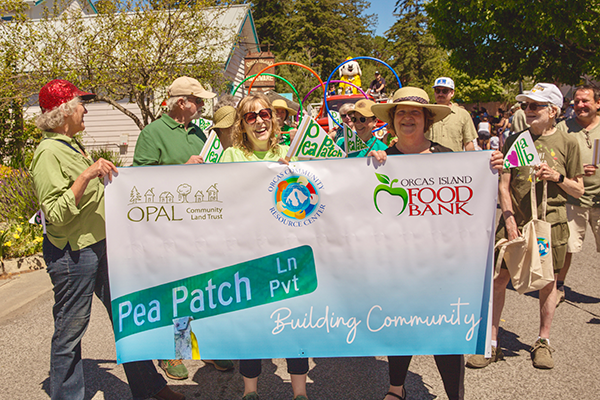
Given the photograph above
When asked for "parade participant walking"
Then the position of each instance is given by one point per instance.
(174, 139)
(70, 189)
(411, 115)
(255, 139)
(364, 122)
(585, 127)
(283, 112)
(456, 131)
(561, 169)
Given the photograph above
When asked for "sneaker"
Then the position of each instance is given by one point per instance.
(541, 355)
(479, 360)
(560, 295)
(251, 396)
(167, 394)
(174, 369)
(221, 365)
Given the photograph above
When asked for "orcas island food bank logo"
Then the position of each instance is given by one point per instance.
(296, 197)
(422, 196)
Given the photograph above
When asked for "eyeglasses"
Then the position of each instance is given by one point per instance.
(343, 115)
(265, 114)
(587, 138)
(444, 90)
(196, 100)
(533, 106)
(361, 119)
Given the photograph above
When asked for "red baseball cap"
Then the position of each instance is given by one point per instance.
(59, 91)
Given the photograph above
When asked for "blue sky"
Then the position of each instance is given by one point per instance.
(384, 10)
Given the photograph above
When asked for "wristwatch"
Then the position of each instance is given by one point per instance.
(561, 178)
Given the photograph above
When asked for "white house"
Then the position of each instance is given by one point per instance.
(107, 127)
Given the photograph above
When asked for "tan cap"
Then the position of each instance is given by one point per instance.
(224, 117)
(280, 103)
(363, 107)
(186, 86)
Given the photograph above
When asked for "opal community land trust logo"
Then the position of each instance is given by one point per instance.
(296, 197)
(422, 196)
(176, 204)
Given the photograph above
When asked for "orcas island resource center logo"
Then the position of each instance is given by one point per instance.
(296, 197)
(443, 195)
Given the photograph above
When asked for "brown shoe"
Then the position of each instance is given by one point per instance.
(167, 394)
(541, 355)
(479, 360)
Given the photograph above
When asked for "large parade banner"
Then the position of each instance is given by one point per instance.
(321, 258)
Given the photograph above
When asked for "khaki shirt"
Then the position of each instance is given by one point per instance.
(57, 163)
(454, 131)
(591, 184)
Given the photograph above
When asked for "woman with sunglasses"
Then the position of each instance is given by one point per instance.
(364, 122)
(255, 139)
(562, 169)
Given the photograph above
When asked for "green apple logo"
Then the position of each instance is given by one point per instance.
(387, 187)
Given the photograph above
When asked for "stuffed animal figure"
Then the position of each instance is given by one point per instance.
(350, 72)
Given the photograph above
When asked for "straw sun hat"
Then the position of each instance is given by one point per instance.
(279, 103)
(224, 117)
(410, 96)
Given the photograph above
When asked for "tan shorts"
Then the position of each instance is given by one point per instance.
(578, 217)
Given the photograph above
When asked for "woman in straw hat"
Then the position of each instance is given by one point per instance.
(224, 119)
(410, 115)
(283, 112)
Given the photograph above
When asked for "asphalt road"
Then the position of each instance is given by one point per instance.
(26, 329)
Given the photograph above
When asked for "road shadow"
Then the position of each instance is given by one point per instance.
(98, 378)
(510, 343)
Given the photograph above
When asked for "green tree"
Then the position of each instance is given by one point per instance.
(414, 52)
(552, 40)
(131, 50)
(319, 34)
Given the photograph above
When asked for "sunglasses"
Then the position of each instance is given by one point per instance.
(445, 90)
(196, 100)
(533, 106)
(343, 115)
(361, 119)
(265, 114)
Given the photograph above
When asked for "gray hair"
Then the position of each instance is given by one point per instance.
(226, 100)
(171, 101)
(345, 108)
(55, 118)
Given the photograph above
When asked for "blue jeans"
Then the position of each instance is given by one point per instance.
(76, 276)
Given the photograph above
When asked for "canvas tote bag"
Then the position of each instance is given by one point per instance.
(529, 257)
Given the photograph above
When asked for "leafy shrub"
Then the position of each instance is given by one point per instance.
(20, 239)
(17, 198)
(108, 155)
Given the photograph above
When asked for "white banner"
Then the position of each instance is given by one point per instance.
(320, 258)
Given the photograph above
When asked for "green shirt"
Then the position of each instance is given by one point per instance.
(561, 152)
(454, 131)
(376, 143)
(57, 163)
(234, 154)
(166, 141)
(591, 197)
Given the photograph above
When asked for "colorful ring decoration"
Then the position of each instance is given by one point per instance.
(334, 81)
(347, 61)
(290, 63)
(234, 91)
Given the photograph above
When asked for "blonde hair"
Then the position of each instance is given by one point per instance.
(240, 137)
(55, 118)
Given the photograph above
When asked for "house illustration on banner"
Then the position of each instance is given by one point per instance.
(199, 196)
(213, 193)
(166, 197)
(149, 195)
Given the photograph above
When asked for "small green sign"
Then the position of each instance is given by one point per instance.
(268, 279)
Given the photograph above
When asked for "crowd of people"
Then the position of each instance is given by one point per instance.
(69, 186)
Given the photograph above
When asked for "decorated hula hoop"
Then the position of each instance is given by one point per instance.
(234, 91)
(290, 63)
(347, 61)
(334, 81)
